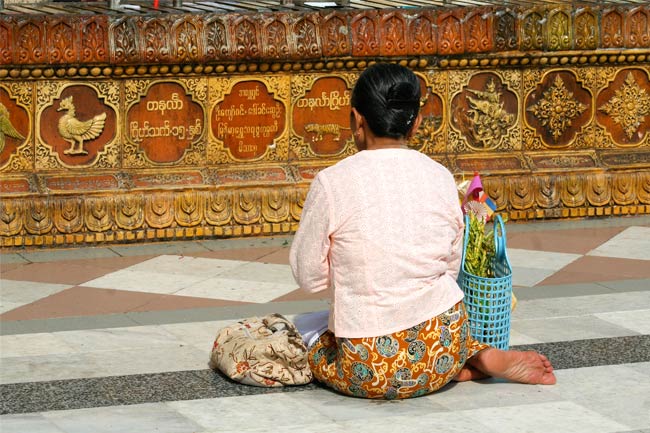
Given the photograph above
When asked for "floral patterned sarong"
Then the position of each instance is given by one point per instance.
(409, 363)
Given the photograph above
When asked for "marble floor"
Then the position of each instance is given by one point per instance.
(117, 339)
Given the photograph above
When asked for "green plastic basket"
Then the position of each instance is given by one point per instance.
(489, 300)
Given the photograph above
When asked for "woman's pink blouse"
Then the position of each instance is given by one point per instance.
(382, 230)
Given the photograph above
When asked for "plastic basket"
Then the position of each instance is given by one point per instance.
(488, 300)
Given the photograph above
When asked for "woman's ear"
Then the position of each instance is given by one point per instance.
(415, 127)
(358, 119)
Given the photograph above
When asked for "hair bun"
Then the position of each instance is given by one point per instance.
(402, 95)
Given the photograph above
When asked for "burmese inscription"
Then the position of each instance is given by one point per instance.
(248, 120)
(165, 122)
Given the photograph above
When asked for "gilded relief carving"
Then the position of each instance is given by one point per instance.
(638, 28)
(612, 27)
(276, 41)
(365, 35)
(30, 41)
(450, 39)
(217, 39)
(247, 209)
(558, 109)
(275, 206)
(70, 134)
(548, 196)
(599, 191)
(624, 107)
(321, 115)
(247, 44)
(248, 119)
(477, 34)
(6, 41)
(7, 129)
(16, 154)
(38, 216)
(422, 34)
(336, 36)
(218, 207)
(187, 43)
(623, 188)
(585, 30)
(68, 215)
(159, 210)
(573, 190)
(11, 222)
(559, 30)
(98, 214)
(165, 122)
(643, 188)
(76, 131)
(129, 211)
(61, 42)
(93, 39)
(156, 44)
(188, 209)
(124, 37)
(522, 194)
(532, 31)
(429, 138)
(393, 35)
(505, 32)
(485, 113)
(306, 36)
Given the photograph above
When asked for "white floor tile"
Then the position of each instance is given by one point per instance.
(21, 369)
(238, 289)
(631, 243)
(570, 328)
(262, 272)
(14, 294)
(540, 259)
(560, 416)
(196, 266)
(33, 345)
(517, 337)
(241, 413)
(529, 277)
(142, 418)
(27, 423)
(94, 340)
(580, 305)
(148, 282)
(638, 321)
(613, 391)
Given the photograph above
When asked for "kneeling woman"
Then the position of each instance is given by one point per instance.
(382, 231)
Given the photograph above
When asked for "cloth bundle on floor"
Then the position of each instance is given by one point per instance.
(267, 351)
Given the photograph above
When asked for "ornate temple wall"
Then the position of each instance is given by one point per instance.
(163, 125)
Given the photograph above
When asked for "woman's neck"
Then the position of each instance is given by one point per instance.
(385, 143)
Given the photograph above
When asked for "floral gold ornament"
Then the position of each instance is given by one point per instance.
(77, 131)
(489, 119)
(557, 109)
(628, 107)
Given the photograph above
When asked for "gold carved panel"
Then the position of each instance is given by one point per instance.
(320, 116)
(248, 119)
(484, 111)
(430, 137)
(165, 122)
(16, 150)
(77, 125)
(558, 107)
(623, 107)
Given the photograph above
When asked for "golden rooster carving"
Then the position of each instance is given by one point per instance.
(6, 128)
(76, 131)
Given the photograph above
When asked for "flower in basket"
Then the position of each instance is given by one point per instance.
(480, 251)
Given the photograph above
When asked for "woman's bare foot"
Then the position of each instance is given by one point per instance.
(468, 373)
(524, 367)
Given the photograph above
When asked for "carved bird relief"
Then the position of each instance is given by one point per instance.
(76, 131)
(6, 128)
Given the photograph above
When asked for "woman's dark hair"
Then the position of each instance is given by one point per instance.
(388, 96)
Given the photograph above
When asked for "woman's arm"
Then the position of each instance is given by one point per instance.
(310, 248)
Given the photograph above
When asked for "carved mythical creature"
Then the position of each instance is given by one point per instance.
(6, 128)
(76, 131)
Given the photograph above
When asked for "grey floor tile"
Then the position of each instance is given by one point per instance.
(12, 258)
(229, 244)
(54, 255)
(27, 423)
(570, 328)
(561, 291)
(158, 248)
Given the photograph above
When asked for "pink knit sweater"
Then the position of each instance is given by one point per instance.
(382, 230)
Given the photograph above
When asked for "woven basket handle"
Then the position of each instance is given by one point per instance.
(501, 253)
